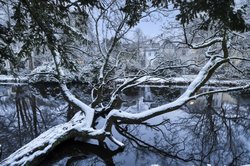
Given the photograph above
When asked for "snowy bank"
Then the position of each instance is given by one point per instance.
(12, 79)
(146, 80)
(184, 80)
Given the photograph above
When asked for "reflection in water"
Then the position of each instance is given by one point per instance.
(75, 151)
(220, 131)
(24, 115)
(210, 130)
(147, 94)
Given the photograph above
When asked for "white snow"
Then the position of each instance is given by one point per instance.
(207, 42)
(46, 140)
(12, 79)
(184, 98)
(89, 112)
(185, 79)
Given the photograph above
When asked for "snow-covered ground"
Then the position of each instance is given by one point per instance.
(148, 80)
(185, 80)
(12, 79)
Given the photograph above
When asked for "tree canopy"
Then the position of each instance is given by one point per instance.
(31, 19)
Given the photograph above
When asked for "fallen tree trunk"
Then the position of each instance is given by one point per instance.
(34, 152)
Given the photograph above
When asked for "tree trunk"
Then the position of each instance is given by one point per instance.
(33, 152)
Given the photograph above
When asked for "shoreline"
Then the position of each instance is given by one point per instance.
(146, 80)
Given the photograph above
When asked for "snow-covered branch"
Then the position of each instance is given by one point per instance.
(206, 43)
(128, 83)
(204, 74)
(247, 86)
(211, 40)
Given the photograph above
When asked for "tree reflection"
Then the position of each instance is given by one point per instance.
(212, 130)
(208, 134)
(220, 132)
(76, 151)
(24, 115)
(203, 132)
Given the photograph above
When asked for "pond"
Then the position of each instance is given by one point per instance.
(210, 130)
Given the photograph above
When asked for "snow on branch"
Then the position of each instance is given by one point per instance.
(206, 43)
(247, 86)
(89, 112)
(201, 78)
(128, 83)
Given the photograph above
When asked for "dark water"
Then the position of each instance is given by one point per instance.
(211, 130)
